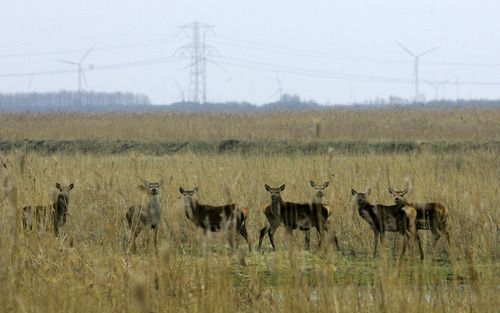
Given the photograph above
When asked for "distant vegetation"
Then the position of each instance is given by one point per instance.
(71, 101)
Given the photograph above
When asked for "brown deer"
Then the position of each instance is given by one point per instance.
(215, 218)
(146, 217)
(319, 193)
(393, 218)
(291, 215)
(57, 211)
(431, 216)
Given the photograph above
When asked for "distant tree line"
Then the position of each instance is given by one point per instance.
(68, 101)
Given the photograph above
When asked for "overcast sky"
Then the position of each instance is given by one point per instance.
(328, 51)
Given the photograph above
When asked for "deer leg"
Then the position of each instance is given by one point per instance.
(243, 232)
(271, 238)
(262, 233)
(307, 237)
(230, 238)
(443, 228)
(134, 234)
(321, 234)
(419, 246)
(134, 247)
(335, 240)
(434, 230)
(155, 239)
(376, 235)
(447, 235)
(405, 242)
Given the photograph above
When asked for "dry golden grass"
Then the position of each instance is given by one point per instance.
(92, 271)
(398, 124)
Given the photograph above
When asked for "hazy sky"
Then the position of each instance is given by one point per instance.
(328, 51)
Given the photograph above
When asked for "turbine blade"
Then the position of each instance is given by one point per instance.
(86, 54)
(84, 78)
(406, 49)
(427, 51)
(67, 62)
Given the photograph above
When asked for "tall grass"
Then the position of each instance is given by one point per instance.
(92, 270)
(371, 125)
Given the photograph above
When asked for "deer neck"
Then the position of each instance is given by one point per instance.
(317, 199)
(154, 209)
(276, 205)
(364, 206)
(190, 207)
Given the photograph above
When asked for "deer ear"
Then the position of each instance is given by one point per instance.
(326, 184)
(195, 190)
(391, 191)
(58, 186)
(353, 192)
(312, 183)
(267, 187)
(282, 187)
(368, 192)
(71, 186)
(181, 190)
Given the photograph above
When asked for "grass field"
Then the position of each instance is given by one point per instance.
(92, 270)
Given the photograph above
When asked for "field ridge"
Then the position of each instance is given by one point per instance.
(242, 146)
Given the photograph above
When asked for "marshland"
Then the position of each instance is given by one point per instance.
(452, 159)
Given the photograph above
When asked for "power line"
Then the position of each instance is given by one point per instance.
(105, 47)
(106, 67)
(299, 71)
(249, 45)
(308, 72)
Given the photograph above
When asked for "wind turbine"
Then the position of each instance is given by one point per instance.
(436, 85)
(279, 91)
(417, 59)
(81, 74)
(457, 84)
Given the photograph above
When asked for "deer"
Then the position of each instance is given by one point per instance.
(57, 211)
(398, 218)
(291, 215)
(319, 193)
(213, 218)
(145, 217)
(431, 216)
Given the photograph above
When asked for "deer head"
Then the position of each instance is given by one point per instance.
(152, 188)
(399, 195)
(275, 192)
(360, 197)
(319, 189)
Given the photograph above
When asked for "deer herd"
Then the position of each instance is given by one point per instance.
(402, 217)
